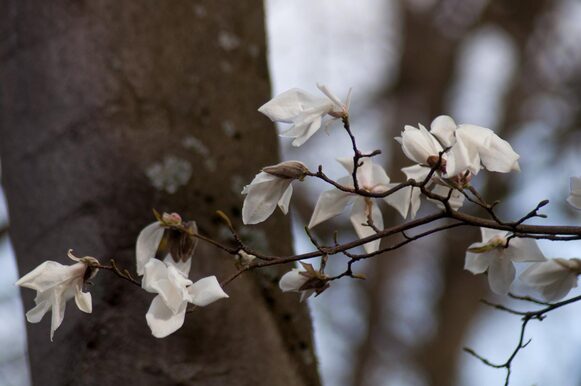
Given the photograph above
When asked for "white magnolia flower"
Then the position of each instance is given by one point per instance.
(168, 309)
(473, 147)
(372, 178)
(306, 112)
(55, 285)
(553, 278)
(167, 240)
(493, 256)
(271, 187)
(307, 281)
(436, 186)
(574, 198)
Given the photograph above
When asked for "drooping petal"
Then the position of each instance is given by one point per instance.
(83, 300)
(147, 244)
(288, 105)
(284, 201)
(167, 281)
(551, 279)
(400, 200)
(501, 273)
(292, 280)
(206, 291)
(59, 304)
(443, 127)
(162, 320)
(359, 217)
(182, 266)
(311, 126)
(574, 198)
(262, 198)
(50, 274)
(43, 305)
(330, 204)
(477, 263)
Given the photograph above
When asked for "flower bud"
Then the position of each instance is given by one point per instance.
(171, 218)
(294, 170)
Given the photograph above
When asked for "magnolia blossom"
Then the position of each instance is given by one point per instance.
(574, 198)
(553, 278)
(55, 285)
(168, 309)
(306, 281)
(166, 238)
(306, 112)
(473, 147)
(493, 255)
(371, 178)
(271, 187)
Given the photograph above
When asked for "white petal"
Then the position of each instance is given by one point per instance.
(477, 262)
(330, 204)
(83, 300)
(501, 273)
(50, 274)
(284, 201)
(330, 95)
(465, 153)
(206, 291)
(166, 281)
(182, 266)
(401, 199)
(443, 127)
(418, 144)
(359, 217)
(292, 280)
(262, 198)
(147, 244)
(59, 304)
(161, 320)
(311, 126)
(522, 249)
(551, 279)
(488, 233)
(286, 106)
(499, 156)
(43, 305)
(306, 294)
(416, 172)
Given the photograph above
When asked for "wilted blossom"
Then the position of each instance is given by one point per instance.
(574, 198)
(169, 239)
(307, 281)
(271, 187)
(306, 112)
(371, 178)
(55, 285)
(493, 255)
(168, 309)
(553, 278)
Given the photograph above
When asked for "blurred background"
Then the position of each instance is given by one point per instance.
(513, 66)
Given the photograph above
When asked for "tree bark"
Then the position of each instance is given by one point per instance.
(98, 95)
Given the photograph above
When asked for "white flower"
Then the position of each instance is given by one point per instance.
(168, 309)
(55, 285)
(553, 278)
(304, 111)
(473, 147)
(177, 245)
(493, 256)
(371, 178)
(306, 281)
(574, 198)
(271, 187)
(419, 145)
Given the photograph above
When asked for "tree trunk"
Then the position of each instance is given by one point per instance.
(112, 108)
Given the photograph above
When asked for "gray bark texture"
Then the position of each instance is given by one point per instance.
(93, 95)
